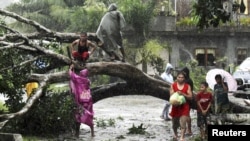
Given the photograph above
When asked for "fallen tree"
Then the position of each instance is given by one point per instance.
(135, 82)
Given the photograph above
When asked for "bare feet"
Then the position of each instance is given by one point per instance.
(175, 138)
(182, 139)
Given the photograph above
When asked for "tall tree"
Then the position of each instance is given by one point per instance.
(61, 15)
(210, 13)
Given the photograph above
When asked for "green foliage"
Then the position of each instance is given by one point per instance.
(187, 21)
(105, 123)
(197, 74)
(168, 9)
(139, 14)
(72, 3)
(99, 80)
(12, 78)
(245, 21)
(111, 122)
(151, 53)
(196, 138)
(51, 14)
(3, 108)
(209, 13)
(44, 121)
(86, 18)
(120, 118)
(36, 138)
(101, 123)
(137, 130)
(120, 137)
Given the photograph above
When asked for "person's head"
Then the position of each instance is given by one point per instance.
(218, 78)
(169, 68)
(83, 36)
(203, 86)
(180, 77)
(112, 7)
(84, 73)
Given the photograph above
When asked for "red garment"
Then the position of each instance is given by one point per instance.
(204, 99)
(181, 110)
(83, 56)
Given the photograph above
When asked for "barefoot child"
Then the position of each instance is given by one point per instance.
(204, 100)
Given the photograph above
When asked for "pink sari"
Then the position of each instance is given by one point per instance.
(80, 87)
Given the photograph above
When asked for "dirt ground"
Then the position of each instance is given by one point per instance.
(122, 112)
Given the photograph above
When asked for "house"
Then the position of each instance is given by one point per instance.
(221, 47)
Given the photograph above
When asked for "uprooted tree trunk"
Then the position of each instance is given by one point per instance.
(236, 118)
(135, 81)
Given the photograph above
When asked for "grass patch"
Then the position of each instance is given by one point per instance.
(34, 138)
(137, 130)
(105, 123)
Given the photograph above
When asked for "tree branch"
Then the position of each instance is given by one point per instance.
(26, 21)
(6, 117)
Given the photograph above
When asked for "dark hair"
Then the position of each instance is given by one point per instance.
(84, 33)
(204, 83)
(186, 71)
(188, 80)
(218, 76)
(183, 73)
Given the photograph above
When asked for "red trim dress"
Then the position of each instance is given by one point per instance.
(181, 110)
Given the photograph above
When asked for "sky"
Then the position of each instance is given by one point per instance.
(4, 3)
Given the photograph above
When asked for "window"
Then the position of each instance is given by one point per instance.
(205, 56)
(241, 55)
(243, 6)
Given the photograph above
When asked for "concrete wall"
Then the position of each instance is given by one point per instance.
(184, 40)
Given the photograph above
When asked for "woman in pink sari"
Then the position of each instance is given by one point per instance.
(80, 87)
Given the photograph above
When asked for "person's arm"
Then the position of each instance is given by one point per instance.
(93, 47)
(208, 107)
(72, 45)
(198, 101)
(225, 87)
(71, 68)
(210, 103)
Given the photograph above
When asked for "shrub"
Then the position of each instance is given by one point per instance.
(50, 115)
